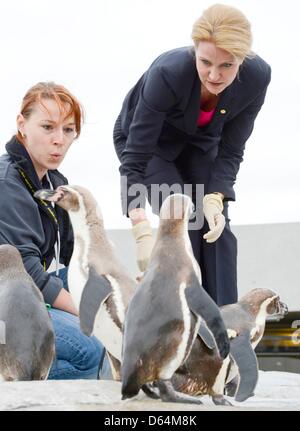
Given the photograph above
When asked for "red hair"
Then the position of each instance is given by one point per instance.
(67, 103)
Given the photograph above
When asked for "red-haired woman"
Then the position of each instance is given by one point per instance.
(49, 121)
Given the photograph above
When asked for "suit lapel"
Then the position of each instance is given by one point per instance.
(223, 107)
(192, 111)
(225, 104)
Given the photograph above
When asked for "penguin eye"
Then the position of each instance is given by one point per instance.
(62, 189)
(272, 307)
(63, 192)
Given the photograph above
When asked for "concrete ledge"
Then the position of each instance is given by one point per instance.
(275, 391)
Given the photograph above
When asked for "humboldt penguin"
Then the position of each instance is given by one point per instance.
(168, 305)
(99, 285)
(204, 372)
(27, 346)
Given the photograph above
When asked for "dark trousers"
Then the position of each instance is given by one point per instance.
(218, 260)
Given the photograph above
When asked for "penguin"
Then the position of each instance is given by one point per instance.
(99, 285)
(167, 307)
(246, 321)
(204, 372)
(27, 347)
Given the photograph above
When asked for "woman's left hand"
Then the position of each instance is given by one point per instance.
(65, 302)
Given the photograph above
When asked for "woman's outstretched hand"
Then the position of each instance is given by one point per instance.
(142, 233)
(212, 208)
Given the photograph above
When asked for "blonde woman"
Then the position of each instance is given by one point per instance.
(186, 121)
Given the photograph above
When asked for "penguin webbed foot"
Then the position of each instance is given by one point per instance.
(219, 400)
(168, 394)
(151, 391)
(231, 387)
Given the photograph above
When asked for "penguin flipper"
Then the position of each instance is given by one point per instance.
(206, 336)
(245, 359)
(95, 292)
(202, 305)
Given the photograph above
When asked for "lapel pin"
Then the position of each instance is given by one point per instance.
(223, 111)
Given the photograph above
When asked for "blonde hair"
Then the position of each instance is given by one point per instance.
(227, 27)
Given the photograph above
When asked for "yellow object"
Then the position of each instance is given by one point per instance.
(212, 208)
(142, 233)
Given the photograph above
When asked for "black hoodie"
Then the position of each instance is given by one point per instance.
(27, 224)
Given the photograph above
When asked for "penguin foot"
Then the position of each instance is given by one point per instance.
(149, 390)
(219, 400)
(168, 394)
(231, 387)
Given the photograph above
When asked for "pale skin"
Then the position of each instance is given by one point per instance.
(47, 136)
(217, 69)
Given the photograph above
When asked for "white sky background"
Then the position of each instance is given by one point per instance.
(99, 48)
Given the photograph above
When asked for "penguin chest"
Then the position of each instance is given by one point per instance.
(78, 272)
(109, 320)
(256, 335)
(109, 332)
(185, 340)
(219, 384)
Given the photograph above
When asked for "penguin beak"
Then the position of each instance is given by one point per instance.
(193, 209)
(281, 311)
(50, 195)
(283, 308)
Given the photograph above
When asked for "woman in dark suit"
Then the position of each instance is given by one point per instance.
(186, 121)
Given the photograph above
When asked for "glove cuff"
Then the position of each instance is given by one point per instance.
(141, 229)
(215, 199)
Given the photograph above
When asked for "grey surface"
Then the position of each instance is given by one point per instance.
(268, 256)
(275, 391)
(280, 363)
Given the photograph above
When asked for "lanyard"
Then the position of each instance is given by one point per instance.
(32, 190)
(29, 185)
(57, 243)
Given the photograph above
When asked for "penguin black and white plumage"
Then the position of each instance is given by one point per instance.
(27, 347)
(204, 372)
(163, 316)
(246, 322)
(99, 285)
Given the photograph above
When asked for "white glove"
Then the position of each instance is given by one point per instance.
(212, 208)
(142, 233)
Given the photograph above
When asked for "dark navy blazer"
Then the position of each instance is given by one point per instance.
(159, 116)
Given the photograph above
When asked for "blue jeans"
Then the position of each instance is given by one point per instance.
(77, 356)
